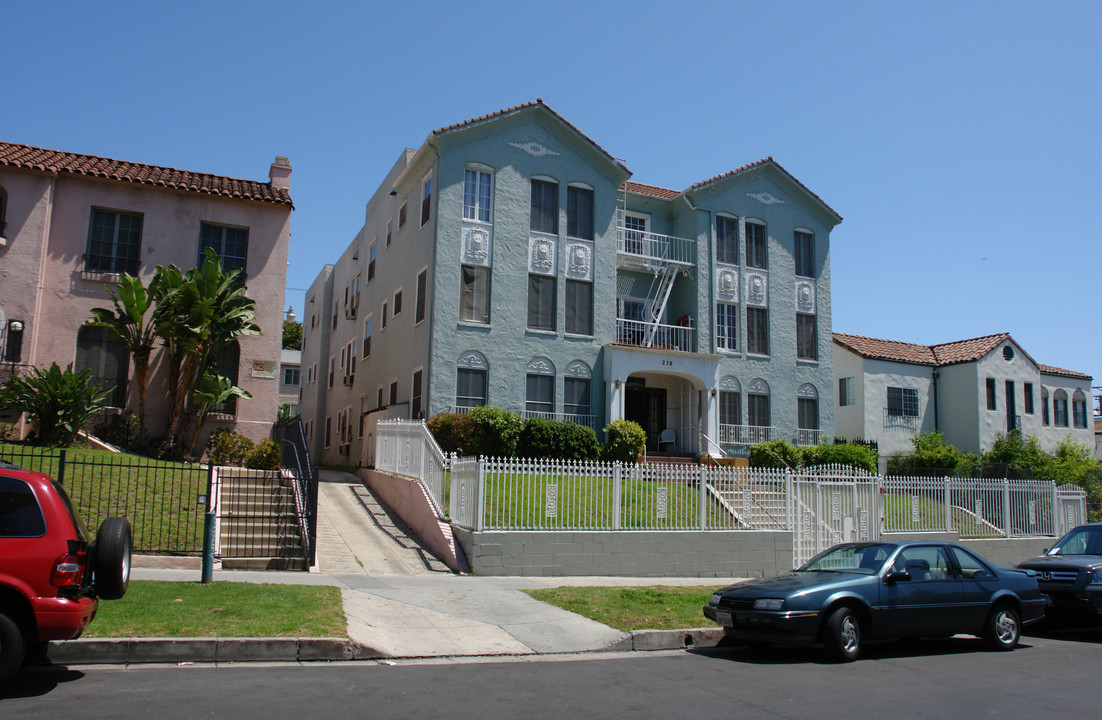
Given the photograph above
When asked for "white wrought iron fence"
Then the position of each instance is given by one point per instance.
(408, 448)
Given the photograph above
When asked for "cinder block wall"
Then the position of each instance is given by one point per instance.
(628, 553)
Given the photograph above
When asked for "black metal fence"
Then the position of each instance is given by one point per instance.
(291, 437)
(161, 499)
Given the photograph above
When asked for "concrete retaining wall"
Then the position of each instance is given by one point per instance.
(407, 499)
(628, 553)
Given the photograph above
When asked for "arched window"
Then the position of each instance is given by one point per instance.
(539, 399)
(1060, 408)
(471, 380)
(1079, 409)
(576, 402)
(757, 410)
(108, 359)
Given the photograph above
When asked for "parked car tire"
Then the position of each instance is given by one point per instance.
(12, 647)
(1003, 628)
(842, 635)
(114, 545)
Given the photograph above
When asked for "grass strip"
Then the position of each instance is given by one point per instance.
(657, 607)
(157, 608)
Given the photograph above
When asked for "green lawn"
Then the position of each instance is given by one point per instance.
(154, 608)
(658, 607)
(899, 515)
(159, 497)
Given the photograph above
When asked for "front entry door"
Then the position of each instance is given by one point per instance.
(647, 406)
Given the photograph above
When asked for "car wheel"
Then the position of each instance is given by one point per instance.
(12, 647)
(842, 635)
(114, 545)
(1003, 629)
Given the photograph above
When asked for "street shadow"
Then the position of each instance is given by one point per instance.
(38, 681)
(1071, 630)
(781, 654)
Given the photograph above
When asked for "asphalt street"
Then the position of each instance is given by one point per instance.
(1052, 675)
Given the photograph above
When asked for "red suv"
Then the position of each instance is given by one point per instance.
(51, 570)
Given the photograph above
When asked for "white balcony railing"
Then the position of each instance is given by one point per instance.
(587, 420)
(745, 434)
(664, 337)
(806, 437)
(652, 246)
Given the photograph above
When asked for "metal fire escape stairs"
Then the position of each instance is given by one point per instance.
(657, 297)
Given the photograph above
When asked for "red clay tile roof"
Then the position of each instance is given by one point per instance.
(1050, 370)
(538, 103)
(58, 161)
(652, 190)
(887, 349)
(764, 161)
(938, 355)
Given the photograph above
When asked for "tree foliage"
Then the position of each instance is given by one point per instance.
(931, 455)
(625, 441)
(292, 335)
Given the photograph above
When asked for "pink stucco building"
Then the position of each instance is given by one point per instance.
(71, 223)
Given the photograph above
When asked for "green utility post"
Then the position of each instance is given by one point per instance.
(208, 530)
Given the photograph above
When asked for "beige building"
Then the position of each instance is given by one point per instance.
(71, 224)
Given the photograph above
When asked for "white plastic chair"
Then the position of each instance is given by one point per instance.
(667, 437)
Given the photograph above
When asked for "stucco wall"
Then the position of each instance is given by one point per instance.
(894, 434)
(630, 554)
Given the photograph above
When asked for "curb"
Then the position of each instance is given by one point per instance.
(135, 651)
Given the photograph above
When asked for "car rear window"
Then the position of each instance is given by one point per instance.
(20, 515)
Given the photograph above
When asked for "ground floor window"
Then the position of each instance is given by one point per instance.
(540, 395)
(470, 388)
(109, 361)
(757, 408)
(730, 408)
(576, 397)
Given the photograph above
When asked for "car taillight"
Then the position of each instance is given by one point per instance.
(68, 570)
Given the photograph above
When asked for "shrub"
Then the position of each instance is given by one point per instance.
(775, 454)
(225, 447)
(265, 456)
(498, 431)
(932, 456)
(120, 430)
(58, 402)
(624, 442)
(842, 454)
(540, 438)
(454, 433)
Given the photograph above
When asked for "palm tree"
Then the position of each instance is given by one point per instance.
(129, 323)
(213, 389)
(199, 313)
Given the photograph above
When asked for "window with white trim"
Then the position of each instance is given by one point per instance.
(477, 194)
(902, 402)
(726, 326)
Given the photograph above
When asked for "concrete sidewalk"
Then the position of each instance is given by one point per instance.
(439, 615)
(400, 602)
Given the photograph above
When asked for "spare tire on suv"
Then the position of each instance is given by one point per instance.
(111, 571)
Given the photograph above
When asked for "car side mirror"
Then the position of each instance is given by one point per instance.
(898, 576)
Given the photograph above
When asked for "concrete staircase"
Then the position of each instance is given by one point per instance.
(765, 509)
(259, 527)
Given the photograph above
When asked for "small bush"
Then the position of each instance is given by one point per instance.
(540, 438)
(775, 454)
(264, 456)
(454, 432)
(120, 430)
(225, 447)
(844, 454)
(498, 431)
(624, 442)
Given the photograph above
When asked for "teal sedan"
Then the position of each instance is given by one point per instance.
(858, 591)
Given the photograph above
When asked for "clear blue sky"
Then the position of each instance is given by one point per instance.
(959, 140)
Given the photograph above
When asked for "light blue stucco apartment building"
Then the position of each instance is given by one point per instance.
(510, 261)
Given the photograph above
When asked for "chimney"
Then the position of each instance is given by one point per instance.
(280, 174)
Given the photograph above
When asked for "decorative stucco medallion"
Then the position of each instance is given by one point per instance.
(472, 359)
(542, 255)
(729, 384)
(808, 392)
(533, 148)
(805, 296)
(579, 260)
(541, 366)
(757, 289)
(476, 245)
(578, 369)
(759, 387)
(727, 284)
(765, 198)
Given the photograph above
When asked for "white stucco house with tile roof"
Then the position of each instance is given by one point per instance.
(971, 391)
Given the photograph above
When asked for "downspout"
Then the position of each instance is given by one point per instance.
(937, 427)
(40, 289)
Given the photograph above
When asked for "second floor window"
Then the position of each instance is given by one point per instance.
(757, 331)
(290, 376)
(541, 302)
(114, 242)
(727, 326)
(474, 294)
(545, 207)
(231, 244)
(755, 245)
(807, 345)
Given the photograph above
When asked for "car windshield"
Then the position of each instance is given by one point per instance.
(1080, 541)
(864, 559)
